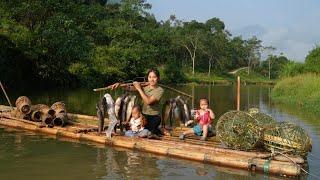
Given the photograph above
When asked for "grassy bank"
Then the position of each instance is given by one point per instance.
(252, 78)
(302, 90)
(203, 78)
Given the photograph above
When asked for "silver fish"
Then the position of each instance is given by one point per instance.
(165, 115)
(173, 105)
(177, 113)
(111, 114)
(123, 112)
(117, 106)
(101, 107)
(122, 98)
(186, 111)
(130, 105)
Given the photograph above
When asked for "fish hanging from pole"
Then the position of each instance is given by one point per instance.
(172, 113)
(185, 110)
(131, 103)
(111, 114)
(101, 107)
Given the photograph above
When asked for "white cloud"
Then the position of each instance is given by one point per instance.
(294, 42)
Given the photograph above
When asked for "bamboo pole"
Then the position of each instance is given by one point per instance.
(4, 91)
(175, 90)
(22, 120)
(145, 84)
(121, 85)
(238, 93)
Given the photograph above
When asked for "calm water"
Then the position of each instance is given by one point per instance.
(26, 155)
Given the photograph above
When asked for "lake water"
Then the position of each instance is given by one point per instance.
(26, 155)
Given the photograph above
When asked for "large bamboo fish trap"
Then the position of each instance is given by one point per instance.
(262, 119)
(287, 137)
(239, 130)
(248, 131)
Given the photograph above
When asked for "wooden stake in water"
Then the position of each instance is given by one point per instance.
(4, 91)
(238, 93)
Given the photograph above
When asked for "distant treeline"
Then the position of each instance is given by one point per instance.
(95, 42)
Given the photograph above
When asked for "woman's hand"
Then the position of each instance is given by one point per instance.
(137, 85)
(114, 86)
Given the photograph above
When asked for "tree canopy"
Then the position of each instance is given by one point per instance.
(94, 42)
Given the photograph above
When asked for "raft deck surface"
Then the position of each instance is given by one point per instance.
(210, 151)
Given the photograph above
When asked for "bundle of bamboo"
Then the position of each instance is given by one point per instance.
(46, 113)
(50, 116)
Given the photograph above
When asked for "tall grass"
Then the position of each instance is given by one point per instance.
(303, 90)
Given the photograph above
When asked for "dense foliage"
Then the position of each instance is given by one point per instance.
(94, 42)
(313, 60)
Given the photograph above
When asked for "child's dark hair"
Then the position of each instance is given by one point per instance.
(137, 106)
(155, 71)
(204, 99)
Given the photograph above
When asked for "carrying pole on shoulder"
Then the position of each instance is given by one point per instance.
(145, 84)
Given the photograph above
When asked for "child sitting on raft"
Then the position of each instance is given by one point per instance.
(137, 124)
(204, 118)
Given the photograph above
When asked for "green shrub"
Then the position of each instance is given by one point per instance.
(313, 60)
(303, 90)
(292, 69)
(173, 73)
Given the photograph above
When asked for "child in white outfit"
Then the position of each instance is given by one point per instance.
(137, 123)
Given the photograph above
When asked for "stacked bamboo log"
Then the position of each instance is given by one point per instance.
(56, 115)
(209, 152)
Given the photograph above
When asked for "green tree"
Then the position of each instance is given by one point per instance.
(253, 46)
(269, 50)
(215, 43)
(173, 73)
(273, 66)
(189, 36)
(313, 60)
(238, 54)
(292, 68)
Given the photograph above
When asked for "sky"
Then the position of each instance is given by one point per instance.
(291, 26)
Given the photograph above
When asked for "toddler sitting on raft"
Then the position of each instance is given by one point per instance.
(204, 117)
(137, 124)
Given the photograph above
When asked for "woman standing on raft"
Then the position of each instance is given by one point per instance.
(151, 95)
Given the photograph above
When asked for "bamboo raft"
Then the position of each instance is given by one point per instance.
(211, 151)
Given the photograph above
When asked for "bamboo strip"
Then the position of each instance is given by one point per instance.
(221, 159)
(281, 141)
(5, 115)
(297, 159)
